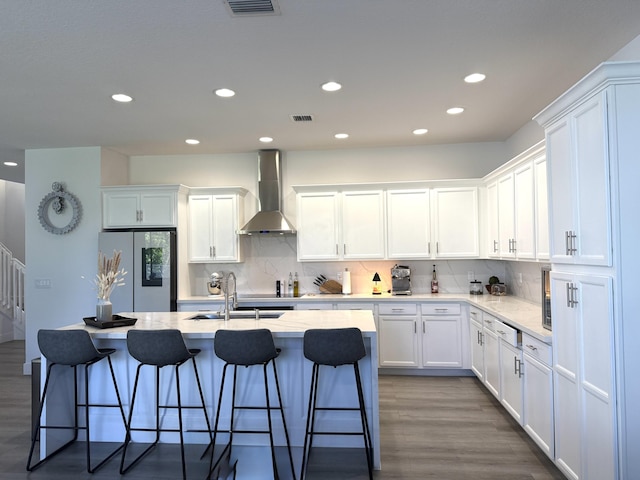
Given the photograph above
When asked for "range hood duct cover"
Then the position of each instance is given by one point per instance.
(269, 218)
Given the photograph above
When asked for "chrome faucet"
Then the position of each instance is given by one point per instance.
(227, 294)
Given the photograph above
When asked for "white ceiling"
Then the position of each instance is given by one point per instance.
(401, 63)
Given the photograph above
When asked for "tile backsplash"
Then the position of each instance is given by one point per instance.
(271, 258)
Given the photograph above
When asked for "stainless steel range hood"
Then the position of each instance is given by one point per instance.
(269, 218)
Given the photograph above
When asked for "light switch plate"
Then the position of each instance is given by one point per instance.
(43, 282)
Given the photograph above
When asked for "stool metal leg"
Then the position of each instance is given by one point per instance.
(365, 424)
(284, 422)
(87, 405)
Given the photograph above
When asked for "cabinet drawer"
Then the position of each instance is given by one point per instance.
(441, 309)
(489, 322)
(397, 309)
(355, 306)
(314, 306)
(508, 334)
(475, 315)
(537, 349)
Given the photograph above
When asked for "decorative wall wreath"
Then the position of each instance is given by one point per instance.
(58, 200)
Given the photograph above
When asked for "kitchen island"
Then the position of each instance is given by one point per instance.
(294, 371)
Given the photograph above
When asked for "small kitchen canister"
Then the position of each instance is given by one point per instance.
(475, 288)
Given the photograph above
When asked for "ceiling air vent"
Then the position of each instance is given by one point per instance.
(302, 118)
(252, 7)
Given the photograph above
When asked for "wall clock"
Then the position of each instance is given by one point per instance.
(58, 200)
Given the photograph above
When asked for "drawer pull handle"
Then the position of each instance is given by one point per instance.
(501, 332)
(442, 309)
(531, 347)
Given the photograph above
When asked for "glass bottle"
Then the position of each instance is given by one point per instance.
(290, 286)
(434, 281)
(296, 286)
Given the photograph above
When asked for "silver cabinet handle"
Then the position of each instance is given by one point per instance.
(344, 248)
(429, 248)
(566, 242)
(568, 295)
(495, 246)
(501, 332)
(517, 367)
(423, 328)
(574, 291)
(415, 328)
(489, 322)
(141, 215)
(442, 310)
(397, 309)
(572, 243)
(531, 347)
(437, 247)
(513, 245)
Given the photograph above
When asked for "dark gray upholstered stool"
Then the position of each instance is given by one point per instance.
(73, 348)
(334, 347)
(161, 348)
(248, 348)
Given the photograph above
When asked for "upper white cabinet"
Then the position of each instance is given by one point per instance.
(516, 202)
(395, 223)
(579, 185)
(455, 222)
(340, 225)
(213, 223)
(139, 206)
(408, 224)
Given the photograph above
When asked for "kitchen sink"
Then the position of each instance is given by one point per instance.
(236, 314)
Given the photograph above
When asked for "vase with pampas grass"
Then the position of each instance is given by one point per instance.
(109, 276)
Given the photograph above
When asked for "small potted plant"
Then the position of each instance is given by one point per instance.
(493, 280)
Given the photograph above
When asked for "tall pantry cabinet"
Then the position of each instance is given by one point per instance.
(593, 156)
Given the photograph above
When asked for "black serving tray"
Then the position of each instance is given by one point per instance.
(116, 321)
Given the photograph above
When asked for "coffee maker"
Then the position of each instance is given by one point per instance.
(400, 280)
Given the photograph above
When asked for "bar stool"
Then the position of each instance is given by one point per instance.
(248, 348)
(161, 348)
(334, 347)
(73, 348)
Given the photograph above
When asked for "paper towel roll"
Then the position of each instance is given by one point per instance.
(346, 282)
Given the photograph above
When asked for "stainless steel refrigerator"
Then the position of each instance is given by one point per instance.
(149, 257)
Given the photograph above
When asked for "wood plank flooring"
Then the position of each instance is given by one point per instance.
(446, 428)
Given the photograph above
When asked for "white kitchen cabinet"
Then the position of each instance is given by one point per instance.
(506, 220)
(139, 206)
(455, 222)
(579, 185)
(397, 335)
(213, 225)
(541, 207)
(408, 224)
(363, 225)
(337, 226)
(524, 246)
(441, 335)
(511, 371)
(583, 372)
(491, 355)
(477, 342)
(318, 219)
(493, 226)
(538, 393)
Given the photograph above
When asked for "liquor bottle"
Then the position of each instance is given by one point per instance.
(290, 286)
(434, 281)
(296, 286)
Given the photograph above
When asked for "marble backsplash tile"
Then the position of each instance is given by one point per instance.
(271, 258)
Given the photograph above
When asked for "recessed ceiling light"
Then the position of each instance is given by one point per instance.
(11, 164)
(420, 131)
(475, 77)
(331, 86)
(266, 139)
(225, 92)
(122, 98)
(455, 110)
(341, 135)
(192, 141)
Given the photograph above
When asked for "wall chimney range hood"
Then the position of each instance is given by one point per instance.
(269, 219)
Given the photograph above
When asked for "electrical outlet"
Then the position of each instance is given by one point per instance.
(470, 276)
(519, 278)
(43, 283)
(339, 276)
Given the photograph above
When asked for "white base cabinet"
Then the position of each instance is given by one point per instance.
(538, 393)
(477, 342)
(442, 335)
(398, 335)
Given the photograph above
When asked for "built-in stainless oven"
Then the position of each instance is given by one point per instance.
(546, 296)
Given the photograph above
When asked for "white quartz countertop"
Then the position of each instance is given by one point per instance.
(519, 313)
(290, 324)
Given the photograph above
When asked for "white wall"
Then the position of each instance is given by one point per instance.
(12, 217)
(63, 259)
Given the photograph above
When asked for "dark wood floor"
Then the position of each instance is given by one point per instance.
(446, 428)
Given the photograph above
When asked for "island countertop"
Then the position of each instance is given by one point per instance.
(291, 323)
